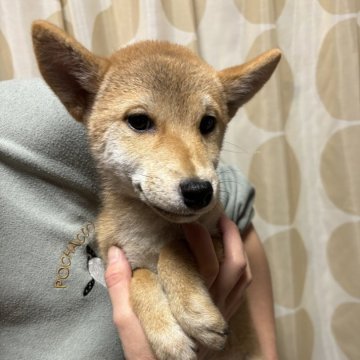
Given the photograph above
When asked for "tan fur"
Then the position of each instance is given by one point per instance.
(142, 206)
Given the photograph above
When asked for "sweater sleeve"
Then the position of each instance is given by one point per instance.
(237, 196)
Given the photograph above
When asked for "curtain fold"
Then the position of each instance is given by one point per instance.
(298, 140)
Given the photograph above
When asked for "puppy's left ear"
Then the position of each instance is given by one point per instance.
(242, 82)
(72, 71)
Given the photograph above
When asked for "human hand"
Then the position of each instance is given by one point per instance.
(118, 277)
(228, 279)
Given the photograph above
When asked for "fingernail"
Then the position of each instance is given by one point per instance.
(114, 254)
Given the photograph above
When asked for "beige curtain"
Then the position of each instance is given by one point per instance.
(298, 140)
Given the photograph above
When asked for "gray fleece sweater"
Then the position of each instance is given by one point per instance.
(53, 304)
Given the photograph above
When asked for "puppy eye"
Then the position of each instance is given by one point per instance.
(140, 122)
(207, 124)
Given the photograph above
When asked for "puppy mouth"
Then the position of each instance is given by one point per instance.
(169, 215)
(172, 214)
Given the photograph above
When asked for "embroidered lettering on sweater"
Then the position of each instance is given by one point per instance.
(63, 269)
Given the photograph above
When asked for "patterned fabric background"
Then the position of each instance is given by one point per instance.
(298, 140)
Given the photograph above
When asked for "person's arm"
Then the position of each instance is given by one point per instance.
(260, 296)
(245, 267)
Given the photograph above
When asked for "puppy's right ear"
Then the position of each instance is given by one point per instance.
(242, 82)
(71, 71)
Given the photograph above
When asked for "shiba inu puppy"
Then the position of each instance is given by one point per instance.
(156, 115)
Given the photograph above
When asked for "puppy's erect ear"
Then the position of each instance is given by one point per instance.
(242, 82)
(72, 72)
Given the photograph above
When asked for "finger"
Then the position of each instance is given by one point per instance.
(202, 247)
(236, 296)
(234, 264)
(118, 278)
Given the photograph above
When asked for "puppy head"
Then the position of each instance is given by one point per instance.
(155, 113)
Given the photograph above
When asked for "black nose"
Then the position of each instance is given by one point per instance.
(196, 194)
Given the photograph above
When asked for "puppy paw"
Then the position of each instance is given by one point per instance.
(172, 344)
(201, 320)
(165, 335)
(189, 299)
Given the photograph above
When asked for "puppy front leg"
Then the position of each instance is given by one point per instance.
(150, 304)
(189, 299)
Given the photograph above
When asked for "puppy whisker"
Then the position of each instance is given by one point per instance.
(234, 151)
(242, 149)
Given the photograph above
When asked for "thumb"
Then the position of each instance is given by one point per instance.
(118, 277)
